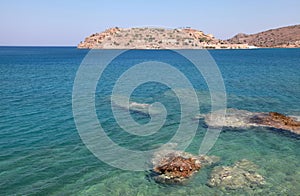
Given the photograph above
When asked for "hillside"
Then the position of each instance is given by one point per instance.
(154, 38)
(284, 37)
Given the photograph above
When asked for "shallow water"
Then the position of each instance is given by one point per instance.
(42, 153)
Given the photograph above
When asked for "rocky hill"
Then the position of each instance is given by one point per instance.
(154, 38)
(284, 37)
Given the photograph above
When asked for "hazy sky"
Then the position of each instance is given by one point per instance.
(67, 22)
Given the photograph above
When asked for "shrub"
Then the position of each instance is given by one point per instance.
(202, 39)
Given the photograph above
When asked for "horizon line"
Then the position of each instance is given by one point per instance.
(38, 46)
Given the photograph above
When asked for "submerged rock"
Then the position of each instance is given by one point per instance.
(233, 118)
(144, 108)
(173, 167)
(240, 176)
(208, 160)
(242, 119)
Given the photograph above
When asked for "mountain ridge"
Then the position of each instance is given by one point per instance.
(282, 37)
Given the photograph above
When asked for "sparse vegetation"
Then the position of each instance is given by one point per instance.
(155, 38)
(117, 44)
(279, 37)
(202, 39)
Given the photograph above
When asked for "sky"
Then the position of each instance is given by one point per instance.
(67, 22)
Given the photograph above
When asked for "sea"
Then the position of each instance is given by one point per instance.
(42, 152)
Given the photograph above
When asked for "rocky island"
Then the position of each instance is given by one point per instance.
(155, 38)
(188, 38)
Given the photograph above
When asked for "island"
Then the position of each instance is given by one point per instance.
(155, 38)
(189, 38)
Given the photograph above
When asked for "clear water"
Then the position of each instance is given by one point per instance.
(41, 151)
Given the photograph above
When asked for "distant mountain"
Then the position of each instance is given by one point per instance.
(284, 37)
(154, 38)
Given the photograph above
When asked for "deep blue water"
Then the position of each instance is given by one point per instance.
(41, 151)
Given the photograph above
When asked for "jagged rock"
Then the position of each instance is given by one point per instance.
(173, 167)
(177, 168)
(241, 175)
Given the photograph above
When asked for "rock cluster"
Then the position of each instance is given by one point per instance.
(277, 120)
(173, 167)
(242, 119)
(176, 167)
(243, 174)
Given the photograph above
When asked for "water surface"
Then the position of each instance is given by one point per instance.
(42, 153)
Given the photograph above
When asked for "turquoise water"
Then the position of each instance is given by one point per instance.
(41, 151)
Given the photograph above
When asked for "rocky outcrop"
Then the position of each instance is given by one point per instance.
(242, 119)
(277, 120)
(242, 175)
(98, 38)
(175, 167)
(285, 37)
(154, 38)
